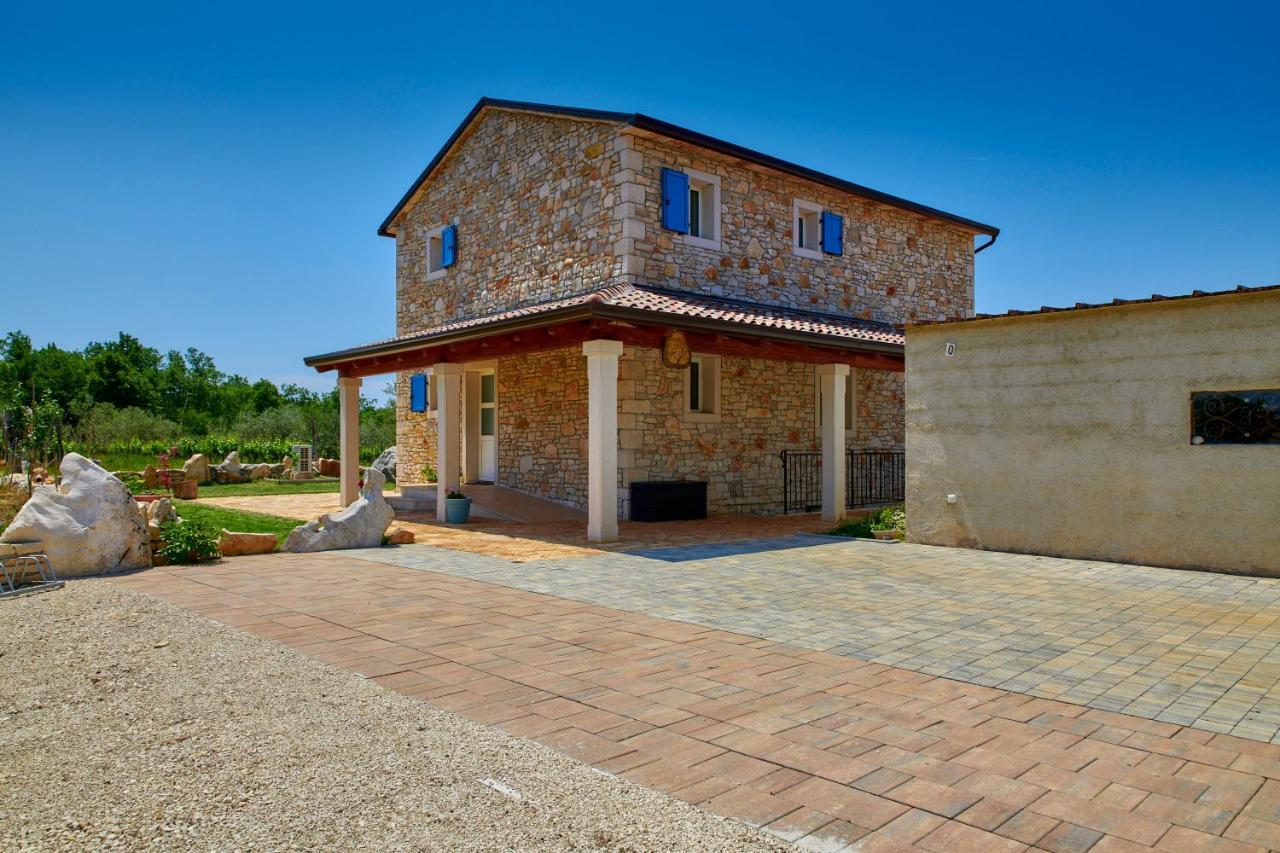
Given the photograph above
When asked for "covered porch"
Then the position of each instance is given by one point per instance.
(589, 394)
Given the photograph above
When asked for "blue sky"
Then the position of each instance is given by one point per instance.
(214, 177)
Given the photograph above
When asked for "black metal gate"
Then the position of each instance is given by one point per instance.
(871, 477)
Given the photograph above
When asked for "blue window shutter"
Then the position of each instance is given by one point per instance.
(675, 201)
(418, 393)
(449, 246)
(832, 233)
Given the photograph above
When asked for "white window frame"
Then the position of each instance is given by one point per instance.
(433, 402)
(709, 382)
(430, 241)
(850, 404)
(705, 182)
(800, 207)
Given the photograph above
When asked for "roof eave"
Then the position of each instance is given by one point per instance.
(596, 310)
(692, 137)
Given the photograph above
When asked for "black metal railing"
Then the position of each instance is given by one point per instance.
(872, 477)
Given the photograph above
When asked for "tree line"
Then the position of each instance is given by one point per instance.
(122, 392)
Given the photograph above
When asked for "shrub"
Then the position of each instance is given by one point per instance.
(189, 541)
(893, 518)
(858, 528)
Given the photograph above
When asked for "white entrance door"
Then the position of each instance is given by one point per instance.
(488, 427)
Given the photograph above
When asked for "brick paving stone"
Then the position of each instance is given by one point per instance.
(875, 749)
(1101, 817)
(797, 824)
(932, 797)
(1069, 838)
(841, 801)
(1027, 827)
(953, 836)
(1179, 839)
(754, 808)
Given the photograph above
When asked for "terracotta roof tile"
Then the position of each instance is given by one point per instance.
(661, 303)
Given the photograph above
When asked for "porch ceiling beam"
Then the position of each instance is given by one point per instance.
(541, 338)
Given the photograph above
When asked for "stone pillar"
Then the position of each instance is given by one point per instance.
(349, 438)
(448, 431)
(832, 381)
(602, 439)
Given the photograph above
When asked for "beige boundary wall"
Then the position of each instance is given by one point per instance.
(1069, 434)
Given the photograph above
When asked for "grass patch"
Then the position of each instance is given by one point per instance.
(237, 520)
(855, 528)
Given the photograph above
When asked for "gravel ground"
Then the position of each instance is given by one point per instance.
(129, 723)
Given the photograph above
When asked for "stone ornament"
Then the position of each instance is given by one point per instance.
(88, 525)
(675, 351)
(360, 525)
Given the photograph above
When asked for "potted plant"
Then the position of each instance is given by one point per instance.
(457, 507)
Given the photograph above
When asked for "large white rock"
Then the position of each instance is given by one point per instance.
(86, 526)
(360, 525)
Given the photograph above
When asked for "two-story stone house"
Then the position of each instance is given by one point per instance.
(589, 299)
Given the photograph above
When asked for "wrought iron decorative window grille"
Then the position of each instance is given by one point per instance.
(1235, 417)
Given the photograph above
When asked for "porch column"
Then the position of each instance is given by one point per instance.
(602, 439)
(448, 431)
(349, 438)
(832, 380)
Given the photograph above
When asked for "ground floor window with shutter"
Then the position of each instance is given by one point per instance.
(702, 387)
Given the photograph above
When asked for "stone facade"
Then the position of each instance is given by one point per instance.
(896, 266)
(532, 198)
(765, 407)
(546, 206)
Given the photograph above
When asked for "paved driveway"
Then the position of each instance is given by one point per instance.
(816, 747)
(1190, 648)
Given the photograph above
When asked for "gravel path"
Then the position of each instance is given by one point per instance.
(129, 723)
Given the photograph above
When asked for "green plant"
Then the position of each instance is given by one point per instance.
(893, 518)
(189, 541)
(857, 528)
(241, 521)
(455, 495)
(428, 474)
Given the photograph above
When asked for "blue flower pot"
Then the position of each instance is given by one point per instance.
(457, 510)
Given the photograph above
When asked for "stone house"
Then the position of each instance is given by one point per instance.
(589, 299)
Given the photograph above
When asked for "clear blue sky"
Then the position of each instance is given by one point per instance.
(214, 178)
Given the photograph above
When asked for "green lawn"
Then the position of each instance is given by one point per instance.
(254, 489)
(237, 520)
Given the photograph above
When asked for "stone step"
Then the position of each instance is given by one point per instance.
(418, 491)
(403, 504)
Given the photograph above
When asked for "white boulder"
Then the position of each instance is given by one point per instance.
(86, 526)
(360, 525)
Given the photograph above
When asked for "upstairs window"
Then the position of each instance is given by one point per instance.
(441, 250)
(691, 206)
(815, 232)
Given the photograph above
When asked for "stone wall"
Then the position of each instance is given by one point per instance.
(766, 406)
(542, 424)
(1069, 434)
(548, 206)
(415, 436)
(896, 266)
(532, 197)
(881, 410)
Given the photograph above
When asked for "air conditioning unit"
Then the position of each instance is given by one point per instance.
(303, 458)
